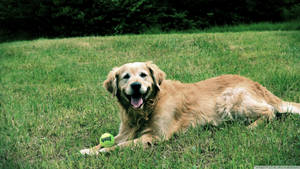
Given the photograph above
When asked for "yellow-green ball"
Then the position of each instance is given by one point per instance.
(107, 140)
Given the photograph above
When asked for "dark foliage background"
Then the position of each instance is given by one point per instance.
(106, 17)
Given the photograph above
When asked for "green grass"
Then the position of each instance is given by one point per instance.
(261, 26)
(52, 103)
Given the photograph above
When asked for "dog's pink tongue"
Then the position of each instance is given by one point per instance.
(136, 102)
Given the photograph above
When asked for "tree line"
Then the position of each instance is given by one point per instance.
(107, 17)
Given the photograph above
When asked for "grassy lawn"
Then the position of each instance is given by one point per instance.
(52, 103)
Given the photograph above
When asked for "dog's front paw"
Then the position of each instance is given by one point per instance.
(89, 151)
(104, 150)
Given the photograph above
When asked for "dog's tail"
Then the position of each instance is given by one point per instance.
(288, 107)
(278, 104)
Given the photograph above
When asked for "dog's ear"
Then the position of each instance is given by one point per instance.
(157, 75)
(111, 83)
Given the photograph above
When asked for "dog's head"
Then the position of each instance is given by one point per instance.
(134, 83)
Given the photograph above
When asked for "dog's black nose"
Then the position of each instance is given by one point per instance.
(135, 86)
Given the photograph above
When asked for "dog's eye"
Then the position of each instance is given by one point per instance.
(143, 75)
(127, 76)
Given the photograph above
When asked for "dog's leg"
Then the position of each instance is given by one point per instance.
(91, 151)
(238, 102)
(145, 140)
(121, 137)
(265, 115)
(124, 135)
(257, 122)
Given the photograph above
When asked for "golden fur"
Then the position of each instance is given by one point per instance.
(171, 106)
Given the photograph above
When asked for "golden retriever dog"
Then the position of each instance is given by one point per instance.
(153, 108)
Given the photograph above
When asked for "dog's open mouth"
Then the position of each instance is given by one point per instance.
(136, 101)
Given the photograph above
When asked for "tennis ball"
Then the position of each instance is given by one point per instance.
(107, 140)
